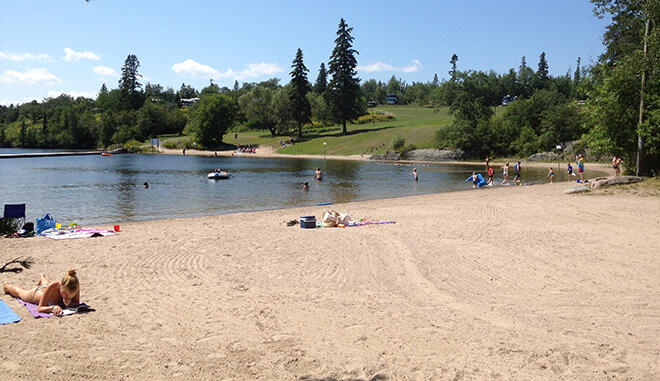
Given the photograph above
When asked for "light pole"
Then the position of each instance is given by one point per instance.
(324, 144)
(558, 155)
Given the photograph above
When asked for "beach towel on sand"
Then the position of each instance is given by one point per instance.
(7, 315)
(34, 309)
(76, 233)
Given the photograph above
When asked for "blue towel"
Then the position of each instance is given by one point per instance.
(7, 315)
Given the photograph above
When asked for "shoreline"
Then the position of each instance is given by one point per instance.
(269, 152)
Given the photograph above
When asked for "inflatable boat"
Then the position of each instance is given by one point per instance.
(218, 175)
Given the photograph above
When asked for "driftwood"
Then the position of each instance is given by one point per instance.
(577, 189)
(27, 263)
(603, 182)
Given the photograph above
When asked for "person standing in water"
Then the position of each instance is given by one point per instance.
(487, 161)
(415, 174)
(569, 169)
(517, 179)
(581, 167)
(551, 175)
(505, 173)
(318, 175)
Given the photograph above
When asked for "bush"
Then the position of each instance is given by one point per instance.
(364, 119)
(397, 143)
(135, 146)
(404, 152)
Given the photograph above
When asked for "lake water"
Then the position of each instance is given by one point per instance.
(102, 190)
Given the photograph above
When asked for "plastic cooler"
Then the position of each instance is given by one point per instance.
(308, 222)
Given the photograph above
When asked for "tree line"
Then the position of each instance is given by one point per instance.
(611, 107)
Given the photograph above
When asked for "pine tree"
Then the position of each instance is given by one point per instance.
(236, 86)
(131, 94)
(542, 73)
(321, 80)
(300, 107)
(453, 71)
(435, 80)
(343, 92)
(576, 76)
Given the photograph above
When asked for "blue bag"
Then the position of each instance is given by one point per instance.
(44, 223)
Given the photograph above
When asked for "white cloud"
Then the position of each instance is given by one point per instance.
(16, 102)
(195, 69)
(72, 55)
(73, 93)
(30, 77)
(380, 66)
(105, 71)
(414, 67)
(253, 71)
(18, 57)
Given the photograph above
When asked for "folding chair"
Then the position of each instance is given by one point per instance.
(15, 211)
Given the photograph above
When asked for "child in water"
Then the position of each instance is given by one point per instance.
(415, 174)
(551, 175)
(50, 297)
(305, 186)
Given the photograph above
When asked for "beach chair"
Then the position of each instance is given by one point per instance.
(15, 211)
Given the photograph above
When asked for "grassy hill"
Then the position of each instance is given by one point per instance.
(417, 125)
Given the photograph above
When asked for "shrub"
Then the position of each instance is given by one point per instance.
(134, 146)
(397, 143)
(364, 119)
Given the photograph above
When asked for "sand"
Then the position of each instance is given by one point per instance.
(507, 283)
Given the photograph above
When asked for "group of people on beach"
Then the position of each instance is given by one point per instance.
(250, 148)
(616, 163)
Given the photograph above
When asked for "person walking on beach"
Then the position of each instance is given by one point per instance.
(505, 173)
(551, 175)
(415, 174)
(580, 164)
(318, 175)
(517, 179)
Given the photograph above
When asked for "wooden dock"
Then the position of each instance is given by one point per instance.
(47, 154)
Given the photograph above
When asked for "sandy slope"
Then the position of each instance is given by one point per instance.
(508, 283)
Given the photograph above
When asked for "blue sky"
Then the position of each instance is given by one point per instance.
(70, 46)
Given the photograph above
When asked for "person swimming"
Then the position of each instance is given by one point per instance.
(49, 296)
(305, 186)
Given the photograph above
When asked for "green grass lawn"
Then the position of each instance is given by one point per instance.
(417, 125)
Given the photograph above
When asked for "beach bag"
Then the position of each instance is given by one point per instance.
(330, 219)
(44, 223)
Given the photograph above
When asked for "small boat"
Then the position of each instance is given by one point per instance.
(218, 175)
(106, 154)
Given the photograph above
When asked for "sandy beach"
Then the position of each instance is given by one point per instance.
(508, 283)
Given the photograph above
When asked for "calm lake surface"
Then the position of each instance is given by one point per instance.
(102, 190)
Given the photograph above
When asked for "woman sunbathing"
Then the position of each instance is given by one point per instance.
(50, 296)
